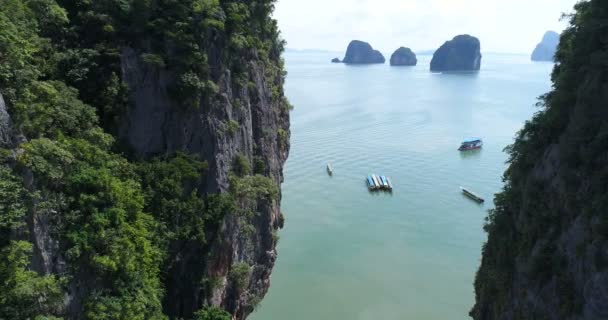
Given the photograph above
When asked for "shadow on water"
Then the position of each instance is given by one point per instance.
(470, 154)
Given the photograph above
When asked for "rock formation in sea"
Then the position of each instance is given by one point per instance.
(403, 57)
(545, 50)
(336, 60)
(459, 54)
(359, 52)
(546, 255)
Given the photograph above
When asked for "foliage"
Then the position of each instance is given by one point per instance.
(241, 166)
(13, 204)
(25, 294)
(253, 188)
(239, 275)
(212, 313)
(51, 107)
(171, 192)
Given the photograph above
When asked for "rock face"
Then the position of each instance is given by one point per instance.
(152, 127)
(545, 50)
(459, 54)
(403, 57)
(359, 52)
(335, 60)
(546, 256)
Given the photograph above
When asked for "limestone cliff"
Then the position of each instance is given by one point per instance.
(545, 50)
(459, 54)
(546, 256)
(141, 155)
(359, 52)
(154, 125)
(403, 57)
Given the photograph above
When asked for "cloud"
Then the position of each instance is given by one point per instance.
(501, 25)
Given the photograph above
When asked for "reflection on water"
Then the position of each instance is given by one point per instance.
(348, 253)
(470, 153)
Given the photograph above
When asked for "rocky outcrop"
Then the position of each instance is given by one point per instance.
(156, 125)
(545, 50)
(335, 60)
(359, 52)
(403, 57)
(459, 54)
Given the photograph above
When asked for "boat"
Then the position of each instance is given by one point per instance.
(384, 183)
(370, 183)
(390, 185)
(330, 170)
(376, 182)
(472, 195)
(471, 144)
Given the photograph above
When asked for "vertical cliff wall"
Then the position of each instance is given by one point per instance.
(142, 146)
(547, 251)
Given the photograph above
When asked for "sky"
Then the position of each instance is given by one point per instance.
(510, 26)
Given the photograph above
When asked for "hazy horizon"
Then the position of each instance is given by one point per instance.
(502, 26)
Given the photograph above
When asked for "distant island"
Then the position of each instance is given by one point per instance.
(335, 60)
(545, 50)
(359, 52)
(403, 57)
(459, 54)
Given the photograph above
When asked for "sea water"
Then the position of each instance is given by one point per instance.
(347, 253)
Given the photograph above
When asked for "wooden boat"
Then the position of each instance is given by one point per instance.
(330, 170)
(471, 144)
(472, 195)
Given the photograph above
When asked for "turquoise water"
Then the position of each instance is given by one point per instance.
(346, 253)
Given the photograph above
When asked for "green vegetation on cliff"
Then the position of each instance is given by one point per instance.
(547, 234)
(115, 217)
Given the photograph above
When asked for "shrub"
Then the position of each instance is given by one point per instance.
(212, 313)
(239, 275)
(25, 294)
(154, 60)
(241, 166)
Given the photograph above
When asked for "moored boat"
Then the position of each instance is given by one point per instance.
(376, 181)
(370, 183)
(330, 170)
(472, 195)
(384, 183)
(471, 144)
(390, 185)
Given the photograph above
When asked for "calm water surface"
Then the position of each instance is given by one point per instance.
(346, 253)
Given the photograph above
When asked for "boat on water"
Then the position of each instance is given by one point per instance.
(370, 183)
(472, 195)
(384, 183)
(378, 182)
(390, 185)
(471, 144)
(330, 170)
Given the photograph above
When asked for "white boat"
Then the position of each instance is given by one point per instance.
(376, 182)
(330, 170)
